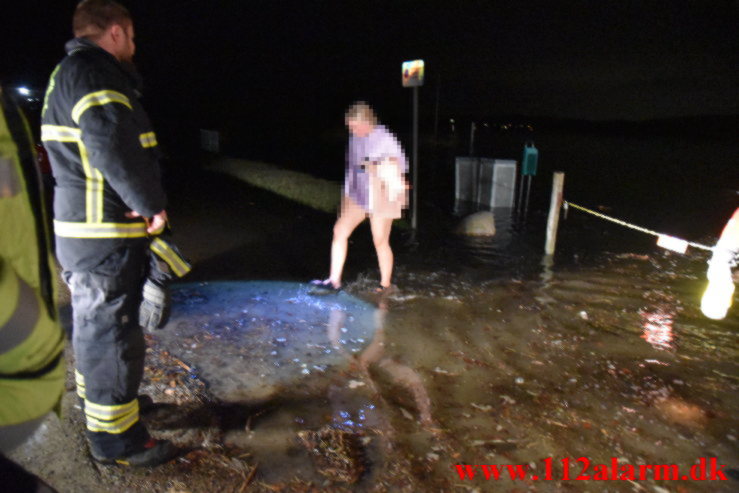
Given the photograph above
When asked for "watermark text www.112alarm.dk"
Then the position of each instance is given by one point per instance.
(583, 469)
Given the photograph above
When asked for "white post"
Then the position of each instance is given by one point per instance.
(554, 206)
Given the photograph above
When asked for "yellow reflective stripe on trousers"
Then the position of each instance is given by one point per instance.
(23, 319)
(110, 412)
(98, 98)
(149, 139)
(79, 379)
(178, 265)
(111, 419)
(94, 183)
(67, 229)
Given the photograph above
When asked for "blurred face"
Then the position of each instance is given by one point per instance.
(358, 127)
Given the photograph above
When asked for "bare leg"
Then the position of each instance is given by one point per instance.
(381, 227)
(350, 217)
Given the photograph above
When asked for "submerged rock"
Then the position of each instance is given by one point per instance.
(478, 224)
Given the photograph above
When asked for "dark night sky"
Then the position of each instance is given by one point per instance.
(277, 61)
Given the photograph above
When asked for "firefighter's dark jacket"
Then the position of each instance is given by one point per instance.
(104, 155)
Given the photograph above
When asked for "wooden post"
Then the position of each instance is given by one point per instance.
(554, 206)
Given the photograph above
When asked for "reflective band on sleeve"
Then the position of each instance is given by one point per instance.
(178, 265)
(148, 139)
(99, 230)
(22, 322)
(60, 133)
(98, 98)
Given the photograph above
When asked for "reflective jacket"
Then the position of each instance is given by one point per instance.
(31, 341)
(103, 154)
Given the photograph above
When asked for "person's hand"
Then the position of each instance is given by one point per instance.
(156, 224)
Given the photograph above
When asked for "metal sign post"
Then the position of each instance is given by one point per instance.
(414, 216)
(529, 165)
(412, 73)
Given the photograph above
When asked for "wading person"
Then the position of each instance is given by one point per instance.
(108, 200)
(374, 187)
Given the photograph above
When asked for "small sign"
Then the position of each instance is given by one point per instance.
(413, 73)
(530, 160)
(672, 243)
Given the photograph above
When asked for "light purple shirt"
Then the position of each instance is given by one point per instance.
(380, 144)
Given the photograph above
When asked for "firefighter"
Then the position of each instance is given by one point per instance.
(31, 340)
(108, 200)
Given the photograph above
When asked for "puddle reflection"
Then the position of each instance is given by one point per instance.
(657, 328)
(366, 365)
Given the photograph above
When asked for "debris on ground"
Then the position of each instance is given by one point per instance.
(338, 454)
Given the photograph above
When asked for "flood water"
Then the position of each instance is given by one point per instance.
(489, 352)
(611, 359)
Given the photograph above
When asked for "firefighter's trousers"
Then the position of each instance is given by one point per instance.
(109, 349)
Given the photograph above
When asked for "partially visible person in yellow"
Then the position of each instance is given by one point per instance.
(720, 291)
(31, 340)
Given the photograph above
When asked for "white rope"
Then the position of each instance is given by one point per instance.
(630, 225)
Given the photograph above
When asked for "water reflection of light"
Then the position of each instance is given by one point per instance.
(657, 328)
(347, 420)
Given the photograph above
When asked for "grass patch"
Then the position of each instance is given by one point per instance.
(317, 193)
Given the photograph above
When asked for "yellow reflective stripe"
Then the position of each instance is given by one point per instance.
(93, 187)
(79, 379)
(94, 182)
(178, 265)
(95, 191)
(99, 230)
(50, 89)
(98, 98)
(60, 133)
(111, 412)
(149, 139)
(96, 426)
(115, 426)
